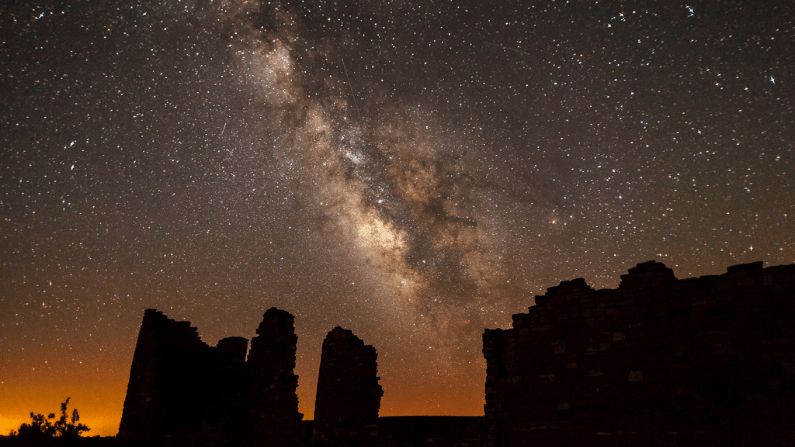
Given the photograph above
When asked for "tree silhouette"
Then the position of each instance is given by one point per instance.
(41, 428)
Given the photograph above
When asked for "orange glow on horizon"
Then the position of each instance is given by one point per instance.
(98, 400)
(100, 407)
(98, 385)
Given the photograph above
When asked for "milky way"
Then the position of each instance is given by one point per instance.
(412, 171)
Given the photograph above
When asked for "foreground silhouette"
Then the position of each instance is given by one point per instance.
(657, 361)
(184, 392)
(50, 431)
(348, 394)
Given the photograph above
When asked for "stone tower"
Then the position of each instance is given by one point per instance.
(166, 371)
(273, 403)
(183, 392)
(348, 394)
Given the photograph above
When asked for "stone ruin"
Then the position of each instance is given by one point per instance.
(657, 361)
(161, 397)
(184, 392)
(272, 358)
(348, 394)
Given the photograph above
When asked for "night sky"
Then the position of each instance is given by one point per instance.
(412, 171)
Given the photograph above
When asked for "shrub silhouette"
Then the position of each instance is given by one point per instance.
(41, 429)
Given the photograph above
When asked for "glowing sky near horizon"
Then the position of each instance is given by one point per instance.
(412, 171)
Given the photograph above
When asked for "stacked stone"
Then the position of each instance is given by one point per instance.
(166, 371)
(224, 414)
(184, 393)
(273, 403)
(348, 394)
(700, 360)
(231, 351)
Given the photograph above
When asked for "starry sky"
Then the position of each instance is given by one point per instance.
(412, 171)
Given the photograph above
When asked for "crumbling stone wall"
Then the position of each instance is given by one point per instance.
(657, 361)
(348, 394)
(183, 392)
(273, 401)
(166, 370)
(223, 410)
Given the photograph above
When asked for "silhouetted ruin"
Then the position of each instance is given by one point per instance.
(184, 392)
(274, 403)
(170, 363)
(657, 361)
(348, 394)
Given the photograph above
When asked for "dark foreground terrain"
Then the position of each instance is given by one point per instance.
(658, 361)
(406, 431)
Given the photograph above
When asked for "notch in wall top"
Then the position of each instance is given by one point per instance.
(232, 349)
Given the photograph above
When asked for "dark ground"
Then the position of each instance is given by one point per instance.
(399, 431)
